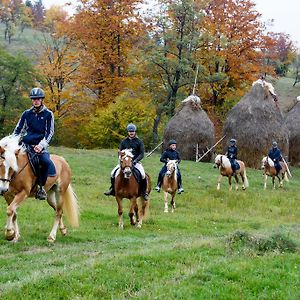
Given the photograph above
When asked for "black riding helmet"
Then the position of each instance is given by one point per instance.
(171, 142)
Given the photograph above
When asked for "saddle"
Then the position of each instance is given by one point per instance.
(34, 162)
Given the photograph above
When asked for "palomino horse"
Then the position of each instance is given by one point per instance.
(127, 186)
(169, 184)
(17, 182)
(269, 170)
(223, 164)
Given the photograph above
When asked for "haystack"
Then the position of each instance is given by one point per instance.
(255, 122)
(191, 126)
(292, 122)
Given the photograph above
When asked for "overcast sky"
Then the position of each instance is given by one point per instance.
(284, 12)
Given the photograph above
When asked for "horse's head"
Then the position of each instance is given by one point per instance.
(266, 163)
(126, 158)
(218, 161)
(8, 162)
(171, 167)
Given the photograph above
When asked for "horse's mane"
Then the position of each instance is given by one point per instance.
(225, 160)
(127, 152)
(270, 161)
(11, 145)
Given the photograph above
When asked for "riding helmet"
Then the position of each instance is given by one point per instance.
(274, 144)
(131, 127)
(233, 141)
(171, 142)
(37, 93)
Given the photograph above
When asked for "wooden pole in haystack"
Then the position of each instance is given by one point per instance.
(211, 148)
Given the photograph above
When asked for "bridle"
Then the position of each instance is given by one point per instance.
(15, 173)
(127, 170)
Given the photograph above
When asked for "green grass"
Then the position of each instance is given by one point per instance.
(216, 245)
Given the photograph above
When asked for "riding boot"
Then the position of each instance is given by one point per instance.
(144, 189)
(157, 188)
(180, 188)
(111, 191)
(41, 193)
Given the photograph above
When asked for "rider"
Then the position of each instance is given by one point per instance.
(37, 124)
(169, 154)
(232, 155)
(137, 146)
(275, 155)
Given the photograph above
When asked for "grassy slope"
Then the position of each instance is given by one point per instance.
(184, 255)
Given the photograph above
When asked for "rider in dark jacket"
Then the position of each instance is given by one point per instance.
(138, 150)
(275, 155)
(232, 155)
(169, 154)
(37, 126)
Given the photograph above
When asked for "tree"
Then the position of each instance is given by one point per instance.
(17, 77)
(38, 13)
(170, 53)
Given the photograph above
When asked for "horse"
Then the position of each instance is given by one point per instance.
(127, 186)
(18, 182)
(269, 170)
(169, 184)
(223, 164)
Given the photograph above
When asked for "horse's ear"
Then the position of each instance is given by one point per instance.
(1, 150)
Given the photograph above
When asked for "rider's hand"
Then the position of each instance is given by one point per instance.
(37, 149)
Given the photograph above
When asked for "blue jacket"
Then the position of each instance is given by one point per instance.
(232, 152)
(37, 127)
(275, 155)
(171, 155)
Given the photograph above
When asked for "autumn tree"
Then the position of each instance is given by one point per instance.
(105, 33)
(232, 52)
(38, 13)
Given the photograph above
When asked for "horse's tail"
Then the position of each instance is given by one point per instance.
(246, 182)
(70, 206)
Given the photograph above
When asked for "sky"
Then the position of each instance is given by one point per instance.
(283, 12)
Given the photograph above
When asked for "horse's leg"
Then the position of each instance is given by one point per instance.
(236, 182)
(243, 180)
(132, 211)
(172, 202)
(120, 212)
(166, 209)
(142, 211)
(229, 181)
(281, 180)
(273, 182)
(136, 211)
(219, 182)
(265, 181)
(12, 229)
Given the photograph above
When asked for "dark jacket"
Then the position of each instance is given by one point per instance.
(275, 155)
(232, 152)
(38, 127)
(136, 145)
(171, 155)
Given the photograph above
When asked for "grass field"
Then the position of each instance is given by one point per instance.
(216, 245)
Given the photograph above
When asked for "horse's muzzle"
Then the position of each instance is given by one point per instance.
(3, 191)
(127, 173)
(168, 173)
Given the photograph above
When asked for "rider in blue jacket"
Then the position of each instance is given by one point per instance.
(232, 156)
(275, 155)
(169, 154)
(36, 126)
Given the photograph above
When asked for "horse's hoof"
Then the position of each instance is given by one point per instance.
(139, 225)
(121, 227)
(244, 188)
(166, 211)
(10, 234)
(51, 239)
(64, 231)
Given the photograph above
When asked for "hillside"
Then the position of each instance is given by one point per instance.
(216, 245)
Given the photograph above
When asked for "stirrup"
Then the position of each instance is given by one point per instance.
(180, 190)
(41, 194)
(157, 188)
(146, 197)
(110, 192)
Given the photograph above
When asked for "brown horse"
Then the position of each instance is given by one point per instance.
(269, 170)
(223, 164)
(169, 184)
(127, 186)
(17, 182)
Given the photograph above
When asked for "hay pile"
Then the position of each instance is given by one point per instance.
(191, 126)
(255, 122)
(292, 122)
